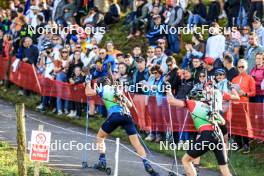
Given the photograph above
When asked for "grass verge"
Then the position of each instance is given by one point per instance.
(250, 164)
(8, 163)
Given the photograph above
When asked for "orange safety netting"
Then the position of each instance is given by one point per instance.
(149, 112)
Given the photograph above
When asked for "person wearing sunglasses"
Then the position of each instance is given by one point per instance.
(246, 88)
(108, 60)
(150, 56)
(156, 91)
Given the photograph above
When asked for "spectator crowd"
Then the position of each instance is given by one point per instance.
(234, 56)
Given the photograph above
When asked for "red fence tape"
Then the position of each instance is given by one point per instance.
(245, 119)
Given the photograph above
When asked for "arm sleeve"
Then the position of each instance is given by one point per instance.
(179, 17)
(252, 85)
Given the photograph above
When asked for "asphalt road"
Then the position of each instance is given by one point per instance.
(69, 160)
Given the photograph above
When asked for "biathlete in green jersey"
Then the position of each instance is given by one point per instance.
(118, 115)
(208, 140)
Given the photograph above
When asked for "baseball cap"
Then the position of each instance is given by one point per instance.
(220, 71)
(209, 60)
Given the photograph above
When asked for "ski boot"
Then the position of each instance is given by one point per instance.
(150, 170)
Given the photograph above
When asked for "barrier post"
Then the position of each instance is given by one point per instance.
(37, 163)
(117, 156)
(21, 139)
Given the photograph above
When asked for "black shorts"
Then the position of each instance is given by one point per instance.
(117, 119)
(208, 141)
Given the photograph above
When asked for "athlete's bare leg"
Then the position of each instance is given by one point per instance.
(137, 145)
(225, 170)
(101, 136)
(187, 162)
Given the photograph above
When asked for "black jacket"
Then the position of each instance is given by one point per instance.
(184, 88)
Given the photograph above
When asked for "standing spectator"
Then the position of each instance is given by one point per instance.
(232, 45)
(209, 66)
(230, 70)
(246, 88)
(113, 14)
(213, 50)
(184, 87)
(131, 63)
(232, 10)
(196, 48)
(111, 49)
(28, 52)
(172, 76)
(156, 88)
(76, 62)
(244, 39)
(46, 67)
(258, 74)
(61, 76)
(123, 78)
(140, 75)
(161, 59)
(196, 68)
(162, 43)
(259, 30)
(150, 56)
(108, 61)
(252, 49)
(76, 107)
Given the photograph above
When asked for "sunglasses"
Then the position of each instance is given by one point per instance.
(101, 53)
(202, 76)
(154, 73)
(169, 65)
(241, 66)
(64, 51)
(150, 52)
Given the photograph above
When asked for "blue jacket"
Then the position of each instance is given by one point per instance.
(109, 59)
(146, 76)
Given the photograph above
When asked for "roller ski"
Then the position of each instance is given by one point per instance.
(150, 170)
(101, 166)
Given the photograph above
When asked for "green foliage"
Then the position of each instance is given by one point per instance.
(8, 163)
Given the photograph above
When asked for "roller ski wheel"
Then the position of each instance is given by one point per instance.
(103, 168)
(84, 165)
(171, 174)
(151, 171)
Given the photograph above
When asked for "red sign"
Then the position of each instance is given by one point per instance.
(40, 143)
